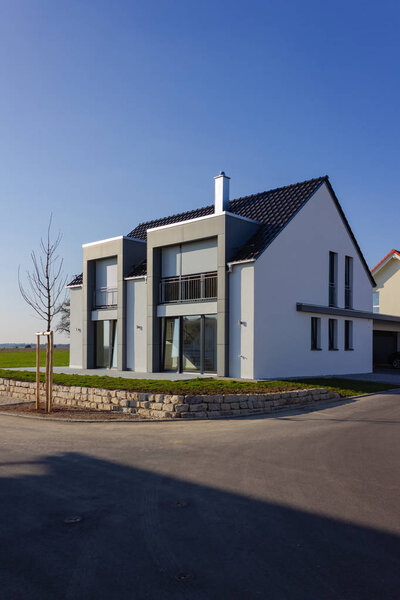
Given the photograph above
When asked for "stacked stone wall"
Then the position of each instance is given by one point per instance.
(167, 406)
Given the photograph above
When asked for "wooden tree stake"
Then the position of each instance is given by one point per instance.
(37, 371)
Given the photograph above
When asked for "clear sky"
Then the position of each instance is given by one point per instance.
(112, 113)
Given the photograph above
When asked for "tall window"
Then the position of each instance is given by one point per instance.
(348, 282)
(333, 279)
(333, 334)
(315, 333)
(375, 302)
(348, 335)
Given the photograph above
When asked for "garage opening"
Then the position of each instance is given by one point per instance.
(385, 343)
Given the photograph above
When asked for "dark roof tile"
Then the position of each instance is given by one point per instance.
(77, 280)
(272, 209)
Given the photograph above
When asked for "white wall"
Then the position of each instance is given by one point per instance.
(241, 308)
(187, 259)
(295, 268)
(75, 340)
(136, 313)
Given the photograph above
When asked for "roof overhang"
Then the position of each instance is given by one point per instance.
(393, 254)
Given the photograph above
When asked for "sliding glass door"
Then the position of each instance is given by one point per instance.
(106, 344)
(171, 344)
(190, 343)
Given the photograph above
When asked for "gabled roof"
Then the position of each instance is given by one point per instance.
(272, 209)
(392, 254)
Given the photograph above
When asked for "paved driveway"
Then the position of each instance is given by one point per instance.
(379, 375)
(294, 506)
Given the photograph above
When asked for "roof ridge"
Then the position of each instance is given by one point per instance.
(283, 187)
(174, 215)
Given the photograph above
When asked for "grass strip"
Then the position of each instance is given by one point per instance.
(344, 387)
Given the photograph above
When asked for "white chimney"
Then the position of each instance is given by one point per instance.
(221, 193)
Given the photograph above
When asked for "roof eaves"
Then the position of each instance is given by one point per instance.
(392, 254)
(347, 225)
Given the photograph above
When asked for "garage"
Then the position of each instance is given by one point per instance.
(385, 343)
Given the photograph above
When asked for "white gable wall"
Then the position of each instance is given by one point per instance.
(295, 268)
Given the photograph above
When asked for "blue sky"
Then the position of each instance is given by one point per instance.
(112, 113)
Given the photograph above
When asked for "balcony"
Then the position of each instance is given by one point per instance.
(188, 288)
(105, 298)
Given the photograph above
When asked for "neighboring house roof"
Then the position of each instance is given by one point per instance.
(272, 209)
(392, 254)
(77, 280)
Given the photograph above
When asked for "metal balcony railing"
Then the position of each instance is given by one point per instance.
(188, 288)
(105, 297)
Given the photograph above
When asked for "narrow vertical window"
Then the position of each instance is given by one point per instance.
(333, 279)
(333, 334)
(348, 335)
(315, 333)
(348, 282)
(375, 302)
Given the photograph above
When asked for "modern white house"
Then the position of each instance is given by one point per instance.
(269, 285)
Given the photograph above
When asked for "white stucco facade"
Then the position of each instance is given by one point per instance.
(294, 268)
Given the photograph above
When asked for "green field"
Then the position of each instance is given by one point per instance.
(27, 358)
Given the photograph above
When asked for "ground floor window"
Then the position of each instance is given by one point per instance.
(315, 333)
(348, 335)
(106, 344)
(189, 343)
(332, 325)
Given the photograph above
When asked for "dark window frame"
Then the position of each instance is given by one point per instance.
(332, 334)
(333, 284)
(348, 335)
(348, 281)
(316, 333)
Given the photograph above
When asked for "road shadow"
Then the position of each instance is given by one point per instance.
(141, 535)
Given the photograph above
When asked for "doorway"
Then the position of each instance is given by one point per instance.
(189, 344)
(106, 344)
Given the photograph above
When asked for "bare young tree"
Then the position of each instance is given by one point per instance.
(44, 290)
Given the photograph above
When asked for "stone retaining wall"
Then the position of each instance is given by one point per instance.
(165, 406)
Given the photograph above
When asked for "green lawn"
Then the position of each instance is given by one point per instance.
(344, 387)
(28, 358)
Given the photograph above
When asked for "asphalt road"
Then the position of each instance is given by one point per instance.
(293, 506)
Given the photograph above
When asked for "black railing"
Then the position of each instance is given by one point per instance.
(188, 288)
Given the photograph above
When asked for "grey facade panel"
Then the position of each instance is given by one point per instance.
(75, 338)
(127, 252)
